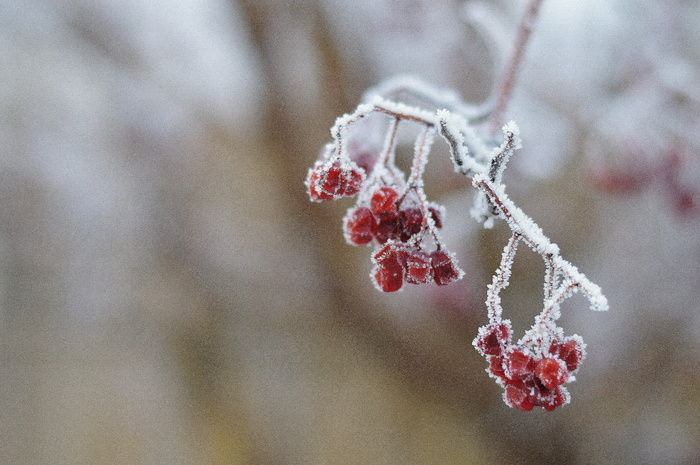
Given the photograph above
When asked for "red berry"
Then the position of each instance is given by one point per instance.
(517, 395)
(418, 269)
(496, 367)
(551, 372)
(558, 397)
(383, 202)
(493, 338)
(334, 182)
(518, 364)
(570, 351)
(411, 222)
(359, 226)
(388, 273)
(387, 228)
(444, 269)
(313, 184)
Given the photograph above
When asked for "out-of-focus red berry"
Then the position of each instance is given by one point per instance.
(383, 202)
(360, 226)
(411, 222)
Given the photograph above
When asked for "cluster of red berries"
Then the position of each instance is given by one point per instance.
(640, 174)
(396, 263)
(331, 180)
(398, 231)
(396, 222)
(382, 219)
(530, 377)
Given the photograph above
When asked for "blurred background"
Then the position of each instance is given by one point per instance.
(168, 294)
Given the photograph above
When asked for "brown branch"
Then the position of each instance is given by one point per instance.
(505, 86)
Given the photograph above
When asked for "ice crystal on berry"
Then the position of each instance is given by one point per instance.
(393, 213)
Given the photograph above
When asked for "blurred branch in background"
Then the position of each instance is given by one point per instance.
(168, 295)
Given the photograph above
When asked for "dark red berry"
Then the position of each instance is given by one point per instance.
(418, 268)
(444, 269)
(360, 226)
(387, 227)
(383, 202)
(518, 364)
(411, 222)
(493, 338)
(551, 373)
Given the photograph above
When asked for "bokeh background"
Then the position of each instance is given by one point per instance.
(168, 295)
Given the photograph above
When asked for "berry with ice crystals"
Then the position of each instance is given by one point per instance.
(331, 182)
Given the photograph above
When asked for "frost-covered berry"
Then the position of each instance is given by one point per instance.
(556, 398)
(445, 270)
(359, 226)
(551, 372)
(570, 351)
(387, 227)
(518, 395)
(388, 273)
(493, 338)
(411, 222)
(518, 364)
(334, 181)
(418, 268)
(496, 367)
(383, 202)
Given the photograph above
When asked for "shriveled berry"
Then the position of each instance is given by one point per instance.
(445, 270)
(518, 364)
(517, 395)
(383, 202)
(418, 269)
(493, 338)
(359, 226)
(551, 372)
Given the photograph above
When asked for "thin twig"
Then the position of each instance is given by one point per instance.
(505, 86)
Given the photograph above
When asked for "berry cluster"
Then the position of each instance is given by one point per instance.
(397, 263)
(390, 212)
(333, 179)
(393, 213)
(531, 374)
